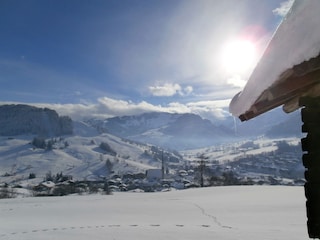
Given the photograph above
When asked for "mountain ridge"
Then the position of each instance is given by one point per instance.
(168, 130)
(19, 119)
(188, 130)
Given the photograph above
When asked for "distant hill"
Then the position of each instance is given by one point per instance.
(82, 157)
(261, 124)
(175, 131)
(24, 119)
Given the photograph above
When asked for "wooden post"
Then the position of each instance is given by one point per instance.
(310, 114)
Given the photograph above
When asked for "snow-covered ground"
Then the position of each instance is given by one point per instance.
(246, 212)
(83, 159)
(229, 152)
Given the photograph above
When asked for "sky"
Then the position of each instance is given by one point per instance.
(122, 57)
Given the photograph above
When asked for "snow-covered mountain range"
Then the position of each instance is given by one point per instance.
(174, 131)
(93, 149)
(190, 131)
(168, 130)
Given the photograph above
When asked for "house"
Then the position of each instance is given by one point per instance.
(288, 75)
(44, 188)
(154, 174)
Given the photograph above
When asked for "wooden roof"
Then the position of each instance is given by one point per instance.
(301, 80)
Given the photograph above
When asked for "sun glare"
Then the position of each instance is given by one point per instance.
(238, 56)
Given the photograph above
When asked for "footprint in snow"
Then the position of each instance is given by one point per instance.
(204, 225)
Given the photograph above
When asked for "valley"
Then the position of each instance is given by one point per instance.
(121, 153)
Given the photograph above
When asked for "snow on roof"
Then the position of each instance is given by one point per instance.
(296, 40)
(48, 184)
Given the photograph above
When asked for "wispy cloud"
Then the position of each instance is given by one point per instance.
(169, 89)
(284, 8)
(187, 50)
(188, 90)
(36, 82)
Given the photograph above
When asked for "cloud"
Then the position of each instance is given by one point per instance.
(166, 90)
(236, 81)
(108, 107)
(170, 89)
(206, 109)
(284, 8)
(122, 107)
(211, 110)
(188, 90)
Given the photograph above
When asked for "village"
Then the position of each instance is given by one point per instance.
(279, 167)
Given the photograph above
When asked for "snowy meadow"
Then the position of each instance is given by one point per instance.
(235, 212)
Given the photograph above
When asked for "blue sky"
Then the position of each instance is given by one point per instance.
(121, 57)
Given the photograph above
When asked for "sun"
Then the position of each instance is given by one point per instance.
(238, 56)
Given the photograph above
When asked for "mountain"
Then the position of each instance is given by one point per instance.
(288, 128)
(24, 119)
(169, 130)
(174, 131)
(274, 124)
(127, 126)
(190, 131)
(261, 124)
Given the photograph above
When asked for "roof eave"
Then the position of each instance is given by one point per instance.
(285, 92)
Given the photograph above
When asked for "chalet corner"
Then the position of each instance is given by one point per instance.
(289, 73)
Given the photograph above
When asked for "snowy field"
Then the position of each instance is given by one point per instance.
(242, 212)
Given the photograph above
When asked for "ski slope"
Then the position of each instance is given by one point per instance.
(242, 212)
(82, 159)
